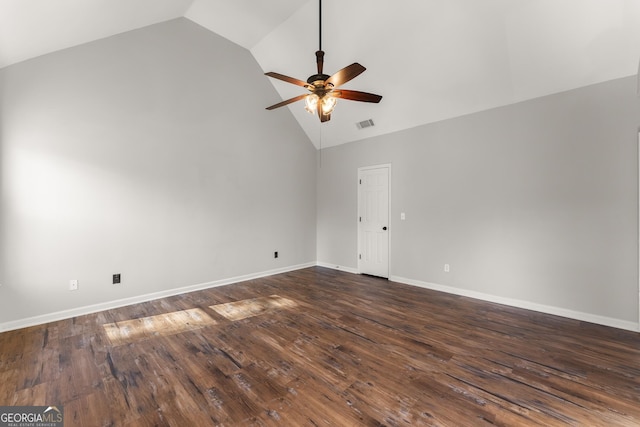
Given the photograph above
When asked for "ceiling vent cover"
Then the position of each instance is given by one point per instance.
(365, 124)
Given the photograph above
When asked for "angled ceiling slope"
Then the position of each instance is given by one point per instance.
(430, 59)
(30, 28)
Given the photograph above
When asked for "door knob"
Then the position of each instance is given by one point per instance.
(384, 228)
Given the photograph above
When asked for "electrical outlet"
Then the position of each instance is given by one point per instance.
(73, 285)
(275, 254)
(446, 268)
(116, 279)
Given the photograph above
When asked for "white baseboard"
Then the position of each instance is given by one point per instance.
(547, 309)
(67, 314)
(337, 267)
(558, 311)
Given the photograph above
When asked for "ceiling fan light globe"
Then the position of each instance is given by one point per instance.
(311, 103)
(328, 104)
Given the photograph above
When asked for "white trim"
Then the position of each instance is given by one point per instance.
(67, 314)
(390, 221)
(547, 309)
(337, 267)
(557, 311)
(360, 170)
(384, 165)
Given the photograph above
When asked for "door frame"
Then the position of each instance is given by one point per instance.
(390, 228)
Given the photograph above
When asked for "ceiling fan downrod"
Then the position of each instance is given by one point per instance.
(319, 53)
(320, 25)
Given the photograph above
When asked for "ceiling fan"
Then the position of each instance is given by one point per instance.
(323, 89)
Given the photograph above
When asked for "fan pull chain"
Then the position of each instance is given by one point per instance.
(321, 146)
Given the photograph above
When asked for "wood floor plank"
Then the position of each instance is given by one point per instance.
(345, 350)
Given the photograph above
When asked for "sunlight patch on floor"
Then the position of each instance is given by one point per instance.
(163, 324)
(252, 307)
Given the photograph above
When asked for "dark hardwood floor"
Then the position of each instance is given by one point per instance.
(317, 347)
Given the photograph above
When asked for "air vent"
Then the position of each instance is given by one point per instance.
(365, 124)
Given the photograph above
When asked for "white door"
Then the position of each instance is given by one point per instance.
(373, 221)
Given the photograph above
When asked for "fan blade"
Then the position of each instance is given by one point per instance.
(286, 79)
(346, 74)
(355, 95)
(288, 101)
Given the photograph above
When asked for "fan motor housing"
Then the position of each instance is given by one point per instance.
(317, 77)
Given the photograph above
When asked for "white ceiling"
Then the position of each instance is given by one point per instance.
(430, 59)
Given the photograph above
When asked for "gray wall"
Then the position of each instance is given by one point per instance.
(535, 202)
(148, 154)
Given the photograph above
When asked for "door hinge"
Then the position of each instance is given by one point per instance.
(359, 256)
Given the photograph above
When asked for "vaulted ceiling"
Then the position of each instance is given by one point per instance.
(430, 59)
